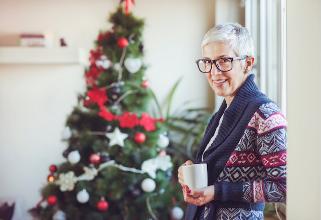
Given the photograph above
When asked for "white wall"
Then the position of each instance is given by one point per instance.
(35, 100)
(228, 11)
(304, 107)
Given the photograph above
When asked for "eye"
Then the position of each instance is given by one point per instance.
(224, 60)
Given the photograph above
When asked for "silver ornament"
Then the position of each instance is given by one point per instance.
(82, 196)
(163, 141)
(148, 185)
(74, 157)
(177, 213)
(133, 64)
(59, 215)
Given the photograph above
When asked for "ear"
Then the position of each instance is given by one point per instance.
(249, 62)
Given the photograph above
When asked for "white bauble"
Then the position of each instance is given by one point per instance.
(103, 62)
(177, 213)
(66, 134)
(117, 67)
(74, 157)
(163, 141)
(82, 196)
(148, 185)
(44, 204)
(59, 215)
(133, 64)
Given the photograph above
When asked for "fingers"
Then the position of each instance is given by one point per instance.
(196, 194)
(180, 176)
(180, 173)
(199, 197)
(199, 201)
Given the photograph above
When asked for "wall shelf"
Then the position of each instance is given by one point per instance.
(42, 55)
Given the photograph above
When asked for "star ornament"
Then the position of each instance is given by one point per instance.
(116, 137)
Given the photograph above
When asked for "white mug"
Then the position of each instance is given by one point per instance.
(195, 175)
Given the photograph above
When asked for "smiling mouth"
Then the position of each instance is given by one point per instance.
(219, 82)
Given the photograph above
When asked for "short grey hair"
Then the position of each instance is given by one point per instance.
(237, 36)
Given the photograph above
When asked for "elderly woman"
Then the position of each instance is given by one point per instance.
(244, 145)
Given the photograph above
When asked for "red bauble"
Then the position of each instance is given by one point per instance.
(95, 159)
(122, 42)
(102, 205)
(140, 137)
(52, 200)
(145, 84)
(53, 168)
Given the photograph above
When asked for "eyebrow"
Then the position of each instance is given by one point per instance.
(217, 57)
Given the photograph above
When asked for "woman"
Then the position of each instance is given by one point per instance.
(244, 144)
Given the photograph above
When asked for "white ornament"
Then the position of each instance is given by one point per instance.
(152, 165)
(90, 174)
(67, 181)
(133, 64)
(148, 185)
(82, 196)
(59, 215)
(103, 62)
(74, 157)
(116, 137)
(163, 141)
(66, 134)
(44, 204)
(117, 67)
(177, 213)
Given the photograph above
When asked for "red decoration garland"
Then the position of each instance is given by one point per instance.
(128, 120)
(147, 122)
(105, 114)
(97, 95)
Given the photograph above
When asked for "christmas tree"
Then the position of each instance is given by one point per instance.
(117, 164)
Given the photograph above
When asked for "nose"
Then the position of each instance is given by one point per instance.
(214, 70)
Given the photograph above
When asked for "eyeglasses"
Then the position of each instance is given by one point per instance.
(223, 64)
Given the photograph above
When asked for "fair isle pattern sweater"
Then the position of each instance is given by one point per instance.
(247, 160)
(258, 164)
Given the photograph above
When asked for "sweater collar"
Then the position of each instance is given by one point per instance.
(247, 91)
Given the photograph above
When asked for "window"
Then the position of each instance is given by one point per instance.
(266, 21)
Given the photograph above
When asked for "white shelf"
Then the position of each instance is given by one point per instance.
(42, 55)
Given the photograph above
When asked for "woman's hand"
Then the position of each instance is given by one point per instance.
(180, 172)
(199, 197)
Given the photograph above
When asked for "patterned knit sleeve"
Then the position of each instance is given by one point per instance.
(270, 142)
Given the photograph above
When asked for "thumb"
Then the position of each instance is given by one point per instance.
(188, 162)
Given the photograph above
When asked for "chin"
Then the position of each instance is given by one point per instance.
(219, 92)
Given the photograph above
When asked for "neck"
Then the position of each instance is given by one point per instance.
(228, 100)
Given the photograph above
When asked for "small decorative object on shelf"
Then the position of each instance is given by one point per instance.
(32, 40)
(62, 42)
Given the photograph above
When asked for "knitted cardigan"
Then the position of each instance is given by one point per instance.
(247, 160)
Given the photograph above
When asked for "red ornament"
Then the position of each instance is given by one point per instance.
(140, 137)
(52, 200)
(53, 168)
(145, 84)
(95, 159)
(102, 205)
(128, 5)
(122, 42)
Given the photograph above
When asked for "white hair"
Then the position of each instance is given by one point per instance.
(237, 36)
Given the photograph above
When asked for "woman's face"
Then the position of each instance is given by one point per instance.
(224, 83)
